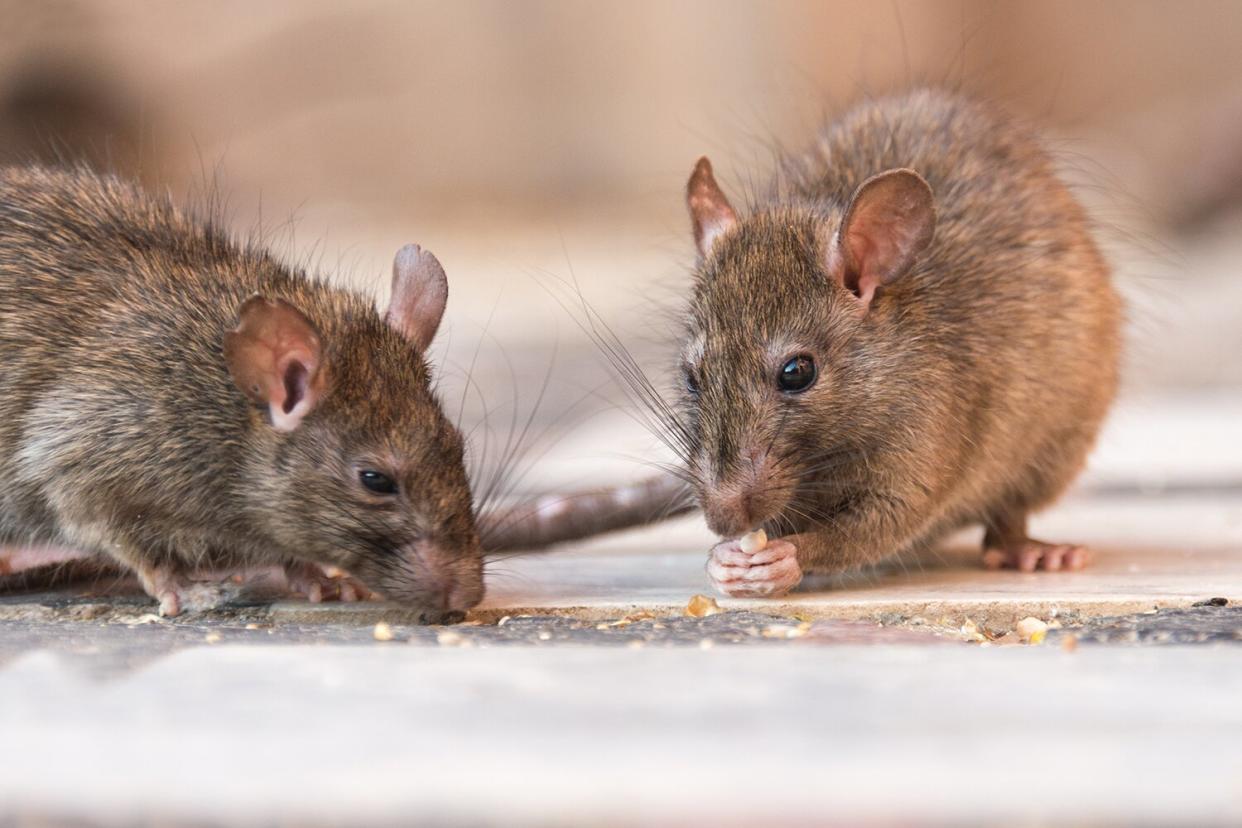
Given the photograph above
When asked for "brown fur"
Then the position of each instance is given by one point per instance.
(970, 390)
(123, 433)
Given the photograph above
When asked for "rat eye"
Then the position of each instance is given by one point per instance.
(692, 381)
(797, 375)
(376, 482)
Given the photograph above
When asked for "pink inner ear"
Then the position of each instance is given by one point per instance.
(860, 252)
(889, 222)
(274, 357)
(296, 382)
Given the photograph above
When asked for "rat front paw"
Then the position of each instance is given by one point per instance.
(766, 573)
(318, 585)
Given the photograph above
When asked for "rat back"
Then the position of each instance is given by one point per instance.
(996, 357)
(112, 308)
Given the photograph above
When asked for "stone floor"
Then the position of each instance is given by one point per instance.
(785, 734)
(581, 693)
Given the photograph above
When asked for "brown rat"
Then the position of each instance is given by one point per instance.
(912, 332)
(184, 404)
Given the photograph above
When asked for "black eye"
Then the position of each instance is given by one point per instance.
(376, 482)
(692, 381)
(797, 375)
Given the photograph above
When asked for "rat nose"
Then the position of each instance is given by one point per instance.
(729, 511)
(449, 582)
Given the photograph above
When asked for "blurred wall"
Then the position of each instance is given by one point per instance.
(423, 106)
(525, 135)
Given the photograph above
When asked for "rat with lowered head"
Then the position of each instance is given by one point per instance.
(913, 332)
(183, 404)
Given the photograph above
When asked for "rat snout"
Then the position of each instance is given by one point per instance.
(446, 581)
(746, 499)
(728, 510)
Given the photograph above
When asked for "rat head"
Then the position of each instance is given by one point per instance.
(790, 344)
(354, 464)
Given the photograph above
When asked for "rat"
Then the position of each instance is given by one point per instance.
(179, 403)
(912, 331)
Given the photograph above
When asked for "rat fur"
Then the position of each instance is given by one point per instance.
(182, 404)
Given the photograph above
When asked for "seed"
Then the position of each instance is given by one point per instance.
(752, 542)
(1032, 629)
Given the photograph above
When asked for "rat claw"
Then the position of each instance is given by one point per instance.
(1028, 555)
(1076, 557)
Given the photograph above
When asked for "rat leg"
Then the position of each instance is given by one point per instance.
(767, 573)
(171, 585)
(1006, 544)
(318, 583)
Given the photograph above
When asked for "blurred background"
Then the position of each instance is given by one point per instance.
(541, 148)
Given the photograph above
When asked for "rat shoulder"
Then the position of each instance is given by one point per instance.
(78, 200)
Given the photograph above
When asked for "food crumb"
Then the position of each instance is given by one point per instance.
(970, 631)
(1069, 643)
(212, 638)
(382, 632)
(641, 615)
(784, 631)
(449, 638)
(701, 606)
(1031, 629)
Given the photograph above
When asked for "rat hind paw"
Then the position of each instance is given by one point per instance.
(317, 584)
(766, 573)
(1027, 555)
(178, 595)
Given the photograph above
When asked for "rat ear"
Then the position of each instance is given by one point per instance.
(890, 221)
(419, 294)
(709, 209)
(274, 355)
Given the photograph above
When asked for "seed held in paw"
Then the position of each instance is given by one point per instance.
(752, 542)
